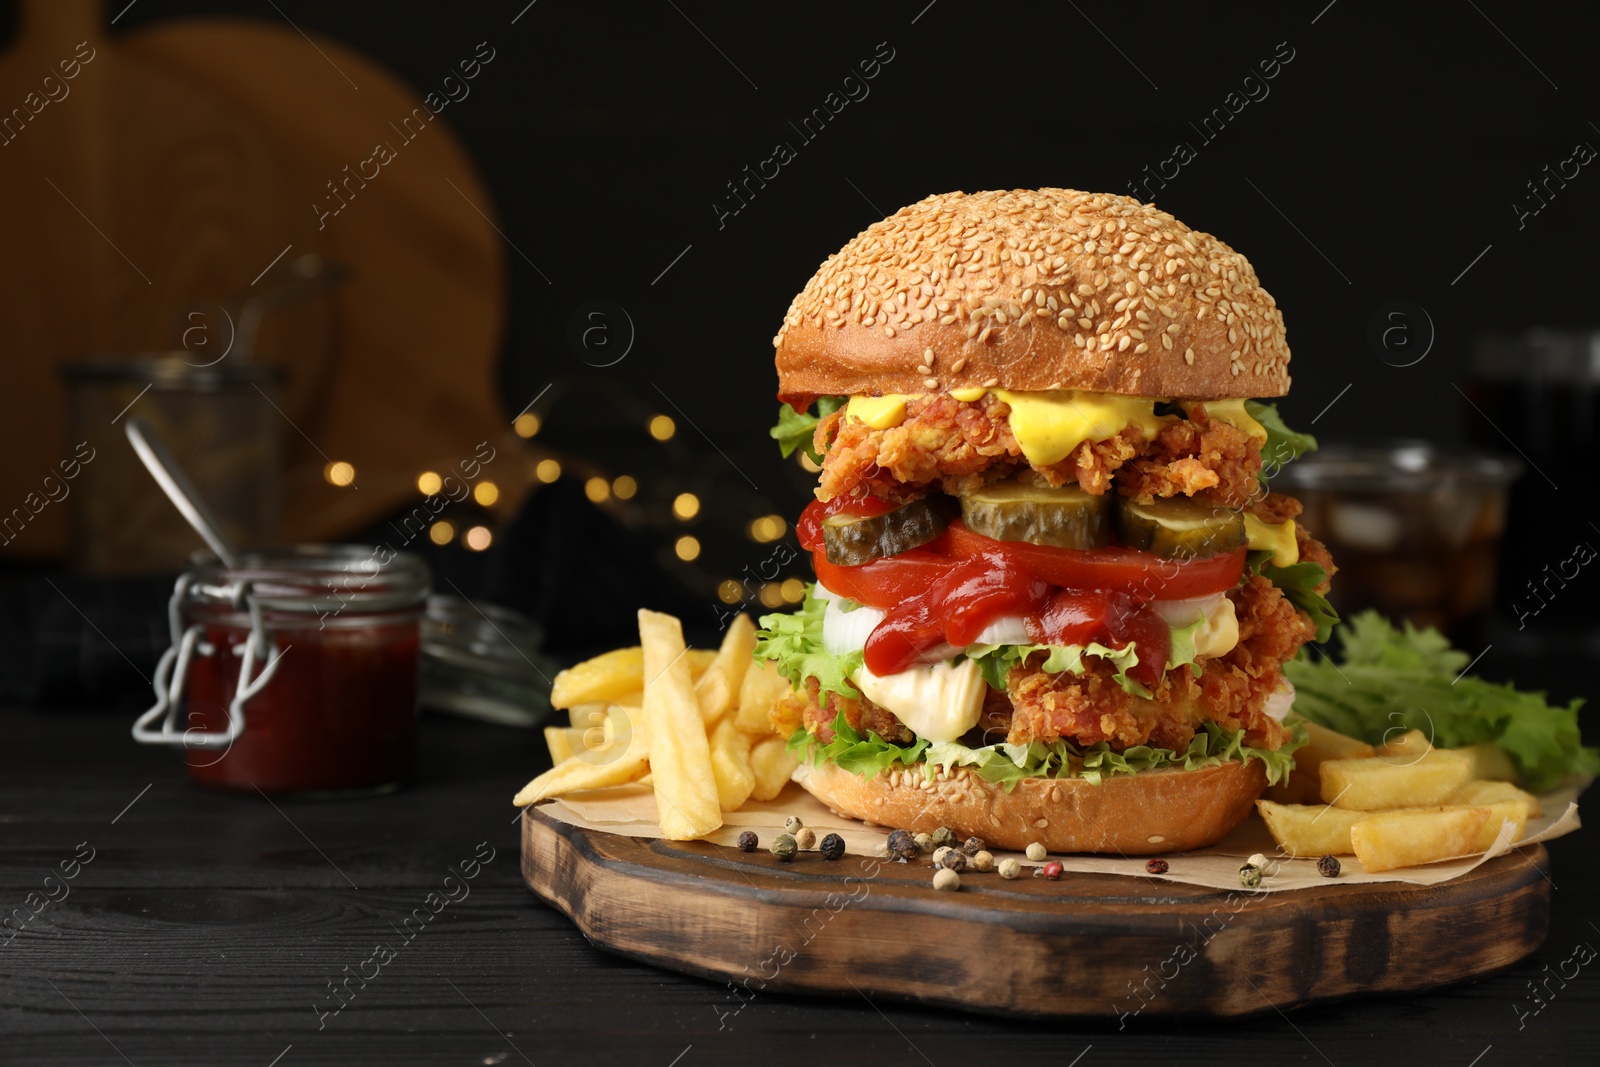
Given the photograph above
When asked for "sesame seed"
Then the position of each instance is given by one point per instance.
(1097, 266)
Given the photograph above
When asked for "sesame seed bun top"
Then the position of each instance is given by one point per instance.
(1033, 290)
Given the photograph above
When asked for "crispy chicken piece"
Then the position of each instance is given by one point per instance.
(958, 447)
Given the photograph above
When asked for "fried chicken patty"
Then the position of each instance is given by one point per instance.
(961, 446)
(1088, 708)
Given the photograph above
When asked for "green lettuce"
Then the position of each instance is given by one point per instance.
(794, 643)
(1299, 582)
(1394, 679)
(859, 753)
(795, 429)
(867, 754)
(996, 661)
(1283, 445)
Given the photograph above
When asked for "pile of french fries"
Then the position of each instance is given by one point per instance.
(695, 721)
(1401, 804)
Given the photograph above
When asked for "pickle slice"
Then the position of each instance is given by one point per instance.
(1065, 517)
(850, 542)
(1180, 528)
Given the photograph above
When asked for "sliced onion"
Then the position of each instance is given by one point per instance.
(1280, 700)
(847, 631)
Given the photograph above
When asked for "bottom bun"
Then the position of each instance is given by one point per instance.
(1166, 810)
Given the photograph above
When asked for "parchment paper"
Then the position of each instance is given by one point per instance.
(631, 811)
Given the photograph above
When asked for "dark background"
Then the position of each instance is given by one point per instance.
(1393, 145)
(1387, 155)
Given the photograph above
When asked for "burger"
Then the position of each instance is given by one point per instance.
(1054, 592)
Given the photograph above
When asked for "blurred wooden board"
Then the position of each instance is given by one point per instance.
(1087, 945)
(410, 385)
(132, 191)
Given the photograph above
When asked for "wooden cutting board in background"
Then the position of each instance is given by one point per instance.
(132, 193)
(422, 316)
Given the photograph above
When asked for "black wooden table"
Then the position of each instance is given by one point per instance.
(201, 928)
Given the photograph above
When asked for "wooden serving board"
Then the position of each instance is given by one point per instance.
(1087, 945)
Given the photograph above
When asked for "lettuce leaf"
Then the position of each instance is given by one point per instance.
(1299, 582)
(859, 753)
(794, 643)
(795, 429)
(1393, 679)
(1007, 764)
(996, 661)
(1283, 445)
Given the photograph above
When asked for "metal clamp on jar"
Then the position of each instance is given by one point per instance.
(294, 671)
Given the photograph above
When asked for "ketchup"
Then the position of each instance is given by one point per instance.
(946, 592)
(340, 712)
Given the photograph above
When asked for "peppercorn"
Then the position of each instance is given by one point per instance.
(1258, 861)
(1052, 870)
(792, 824)
(943, 836)
(832, 847)
(939, 854)
(806, 839)
(972, 846)
(924, 843)
(1250, 876)
(1156, 866)
(748, 841)
(1009, 869)
(954, 860)
(982, 861)
(1328, 866)
(902, 846)
(1035, 852)
(947, 880)
(784, 847)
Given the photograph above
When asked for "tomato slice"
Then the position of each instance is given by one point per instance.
(809, 527)
(883, 583)
(948, 591)
(1140, 574)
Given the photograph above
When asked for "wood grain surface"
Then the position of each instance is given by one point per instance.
(1086, 945)
(135, 193)
(207, 926)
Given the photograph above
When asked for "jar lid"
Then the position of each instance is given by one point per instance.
(314, 579)
(483, 661)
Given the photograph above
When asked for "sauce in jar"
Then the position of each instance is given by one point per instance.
(337, 714)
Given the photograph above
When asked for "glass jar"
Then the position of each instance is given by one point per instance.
(295, 672)
(1413, 530)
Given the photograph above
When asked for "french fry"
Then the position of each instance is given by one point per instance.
(685, 784)
(1501, 812)
(1305, 784)
(578, 773)
(1310, 829)
(1485, 794)
(762, 687)
(590, 715)
(1391, 839)
(560, 741)
(1490, 762)
(1380, 782)
(616, 676)
(730, 764)
(1413, 743)
(605, 677)
(718, 687)
(772, 764)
